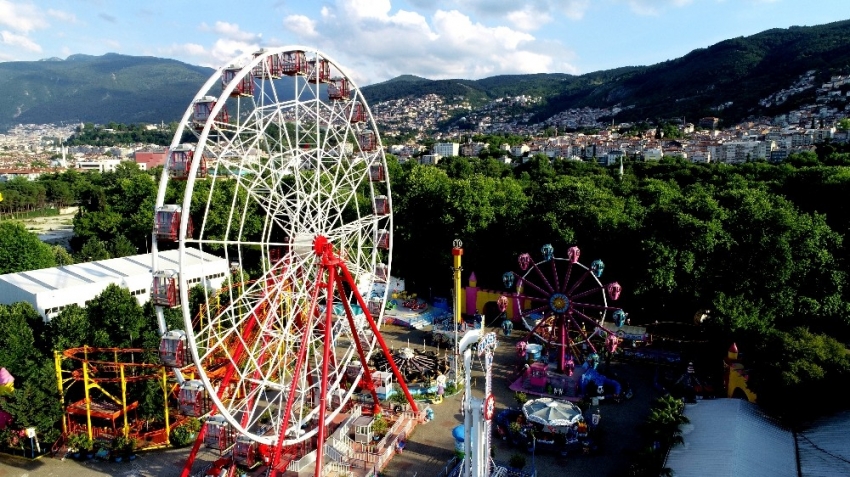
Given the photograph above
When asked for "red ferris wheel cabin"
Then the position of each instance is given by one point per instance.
(202, 109)
(245, 85)
(269, 68)
(180, 163)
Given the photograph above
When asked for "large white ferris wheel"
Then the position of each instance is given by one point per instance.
(283, 174)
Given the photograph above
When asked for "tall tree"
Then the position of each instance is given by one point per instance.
(116, 318)
(69, 329)
(21, 250)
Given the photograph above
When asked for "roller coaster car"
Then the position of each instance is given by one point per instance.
(193, 399)
(172, 349)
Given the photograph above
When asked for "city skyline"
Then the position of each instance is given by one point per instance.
(435, 39)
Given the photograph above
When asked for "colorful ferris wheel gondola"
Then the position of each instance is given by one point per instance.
(565, 305)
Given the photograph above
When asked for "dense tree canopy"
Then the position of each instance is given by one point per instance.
(750, 242)
(21, 250)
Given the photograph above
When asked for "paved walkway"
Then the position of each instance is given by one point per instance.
(430, 446)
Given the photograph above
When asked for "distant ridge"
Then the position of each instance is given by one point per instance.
(730, 80)
(726, 80)
(85, 88)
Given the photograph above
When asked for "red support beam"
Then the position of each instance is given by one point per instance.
(225, 381)
(302, 352)
(367, 373)
(326, 352)
(374, 327)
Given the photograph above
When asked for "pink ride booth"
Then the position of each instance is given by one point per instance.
(538, 377)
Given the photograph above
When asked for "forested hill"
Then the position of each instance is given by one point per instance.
(726, 79)
(100, 89)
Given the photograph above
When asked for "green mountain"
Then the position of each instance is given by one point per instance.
(726, 79)
(83, 88)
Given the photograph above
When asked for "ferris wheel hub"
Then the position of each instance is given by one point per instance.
(559, 303)
(321, 245)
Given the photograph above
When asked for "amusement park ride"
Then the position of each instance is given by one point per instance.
(564, 305)
(291, 139)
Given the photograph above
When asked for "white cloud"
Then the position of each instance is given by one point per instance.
(375, 42)
(545, 10)
(62, 16)
(231, 31)
(300, 25)
(21, 17)
(192, 53)
(18, 41)
(226, 49)
(528, 19)
(367, 8)
(654, 7)
(574, 9)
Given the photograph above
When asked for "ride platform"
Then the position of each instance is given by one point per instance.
(418, 318)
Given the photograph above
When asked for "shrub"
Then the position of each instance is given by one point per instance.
(185, 433)
(517, 461)
(521, 398)
(380, 426)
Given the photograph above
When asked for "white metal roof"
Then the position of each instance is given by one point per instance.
(115, 269)
(732, 438)
(825, 447)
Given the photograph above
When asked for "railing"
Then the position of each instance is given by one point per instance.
(297, 465)
(450, 466)
(333, 454)
(338, 466)
(342, 445)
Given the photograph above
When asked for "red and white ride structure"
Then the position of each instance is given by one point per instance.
(287, 138)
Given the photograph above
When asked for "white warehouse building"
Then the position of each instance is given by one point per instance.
(50, 290)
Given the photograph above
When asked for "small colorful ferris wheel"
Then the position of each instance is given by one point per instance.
(565, 305)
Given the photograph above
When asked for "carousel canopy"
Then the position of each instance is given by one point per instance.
(549, 412)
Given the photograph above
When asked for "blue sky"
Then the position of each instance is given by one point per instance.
(375, 40)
